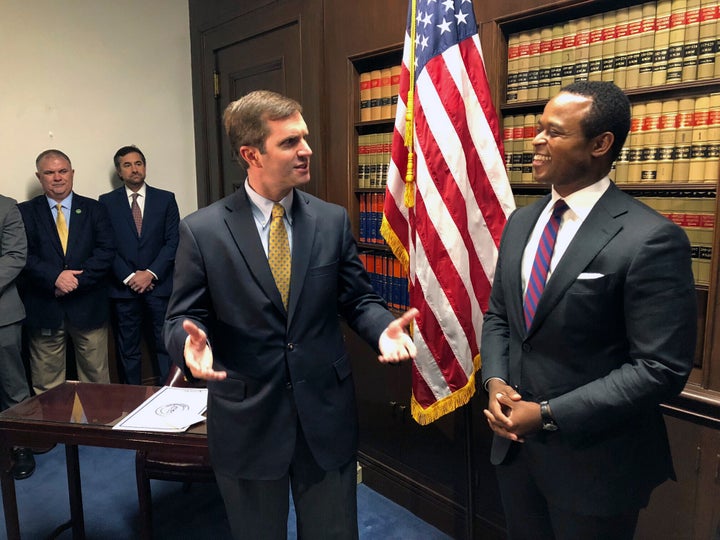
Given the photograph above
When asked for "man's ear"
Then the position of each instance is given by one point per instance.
(602, 144)
(250, 154)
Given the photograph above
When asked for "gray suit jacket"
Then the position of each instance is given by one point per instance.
(13, 253)
(283, 367)
(613, 336)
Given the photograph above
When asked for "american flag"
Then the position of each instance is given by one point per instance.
(446, 227)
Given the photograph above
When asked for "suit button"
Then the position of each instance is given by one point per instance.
(290, 346)
(288, 385)
(526, 347)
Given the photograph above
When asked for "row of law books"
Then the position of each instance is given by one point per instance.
(672, 141)
(651, 44)
(378, 93)
(373, 159)
(371, 214)
(694, 211)
(388, 279)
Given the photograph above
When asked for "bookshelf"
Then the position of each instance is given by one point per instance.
(375, 77)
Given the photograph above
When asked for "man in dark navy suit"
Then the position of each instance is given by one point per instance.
(576, 368)
(64, 283)
(145, 220)
(262, 279)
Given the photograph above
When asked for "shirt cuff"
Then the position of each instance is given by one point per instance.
(487, 383)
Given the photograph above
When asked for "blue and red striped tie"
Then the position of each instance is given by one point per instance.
(541, 264)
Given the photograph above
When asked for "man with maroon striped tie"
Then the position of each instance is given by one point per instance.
(591, 325)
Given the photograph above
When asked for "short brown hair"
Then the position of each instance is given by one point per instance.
(51, 153)
(245, 119)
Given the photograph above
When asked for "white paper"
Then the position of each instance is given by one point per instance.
(170, 409)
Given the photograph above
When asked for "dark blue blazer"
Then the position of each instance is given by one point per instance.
(613, 337)
(153, 250)
(281, 365)
(91, 248)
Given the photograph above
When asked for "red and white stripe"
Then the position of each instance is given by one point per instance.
(449, 239)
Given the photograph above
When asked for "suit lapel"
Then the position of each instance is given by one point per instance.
(240, 223)
(78, 215)
(303, 238)
(150, 214)
(525, 222)
(46, 221)
(597, 230)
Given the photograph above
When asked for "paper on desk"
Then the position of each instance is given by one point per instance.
(169, 409)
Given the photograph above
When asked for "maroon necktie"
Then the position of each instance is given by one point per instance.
(541, 264)
(137, 215)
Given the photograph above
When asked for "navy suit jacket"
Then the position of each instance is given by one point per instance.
(613, 336)
(281, 365)
(91, 248)
(153, 250)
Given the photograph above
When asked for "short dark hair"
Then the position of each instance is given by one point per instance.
(246, 119)
(610, 111)
(51, 152)
(124, 151)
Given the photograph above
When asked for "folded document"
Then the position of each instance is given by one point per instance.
(170, 409)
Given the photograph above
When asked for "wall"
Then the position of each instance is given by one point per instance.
(89, 76)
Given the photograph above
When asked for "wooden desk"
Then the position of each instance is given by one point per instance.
(75, 414)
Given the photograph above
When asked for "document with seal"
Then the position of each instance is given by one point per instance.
(170, 409)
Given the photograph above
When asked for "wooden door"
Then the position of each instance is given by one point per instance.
(270, 61)
(237, 47)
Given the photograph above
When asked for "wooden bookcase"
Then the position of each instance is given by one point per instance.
(368, 176)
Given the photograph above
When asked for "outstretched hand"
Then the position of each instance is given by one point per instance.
(198, 355)
(395, 344)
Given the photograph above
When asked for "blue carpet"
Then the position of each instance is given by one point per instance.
(110, 503)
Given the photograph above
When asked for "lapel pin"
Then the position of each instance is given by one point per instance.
(78, 211)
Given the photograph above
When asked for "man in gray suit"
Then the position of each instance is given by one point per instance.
(13, 382)
(576, 362)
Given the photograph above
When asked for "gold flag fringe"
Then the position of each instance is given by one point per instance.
(425, 416)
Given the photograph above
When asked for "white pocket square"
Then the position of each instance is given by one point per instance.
(590, 275)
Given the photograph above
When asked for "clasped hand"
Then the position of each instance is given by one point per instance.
(67, 282)
(508, 415)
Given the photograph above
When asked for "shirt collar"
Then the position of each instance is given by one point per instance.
(141, 191)
(265, 206)
(66, 202)
(581, 202)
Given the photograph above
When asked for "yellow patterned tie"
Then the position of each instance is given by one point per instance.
(279, 252)
(61, 227)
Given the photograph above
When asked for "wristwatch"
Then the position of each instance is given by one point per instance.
(548, 422)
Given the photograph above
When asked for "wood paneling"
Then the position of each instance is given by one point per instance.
(286, 34)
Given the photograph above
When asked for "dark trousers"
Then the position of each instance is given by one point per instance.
(131, 316)
(325, 501)
(529, 516)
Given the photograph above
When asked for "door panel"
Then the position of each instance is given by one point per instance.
(269, 61)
